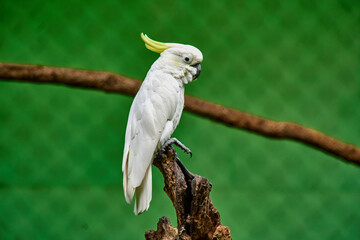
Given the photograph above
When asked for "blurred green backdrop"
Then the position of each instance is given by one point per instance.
(61, 147)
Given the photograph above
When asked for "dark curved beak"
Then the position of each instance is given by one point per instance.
(198, 70)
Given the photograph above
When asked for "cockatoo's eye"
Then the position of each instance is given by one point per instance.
(187, 59)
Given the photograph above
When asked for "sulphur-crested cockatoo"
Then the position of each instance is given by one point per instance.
(154, 115)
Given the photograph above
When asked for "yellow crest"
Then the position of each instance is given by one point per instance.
(153, 45)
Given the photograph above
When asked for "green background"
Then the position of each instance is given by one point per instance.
(61, 147)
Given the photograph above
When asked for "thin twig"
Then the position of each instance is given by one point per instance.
(112, 82)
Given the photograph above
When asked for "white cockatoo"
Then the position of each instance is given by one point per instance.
(154, 115)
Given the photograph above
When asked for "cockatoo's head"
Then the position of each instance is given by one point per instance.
(181, 61)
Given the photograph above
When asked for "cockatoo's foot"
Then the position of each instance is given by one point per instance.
(177, 143)
(188, 175)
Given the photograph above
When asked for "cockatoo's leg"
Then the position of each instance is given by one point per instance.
(177, 143)
(188, 175)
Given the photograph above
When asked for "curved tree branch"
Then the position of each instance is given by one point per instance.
(112, 82)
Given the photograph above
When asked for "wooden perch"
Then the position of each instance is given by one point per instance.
(111, 82)
(197, 218)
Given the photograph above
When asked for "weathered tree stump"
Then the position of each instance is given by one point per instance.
(197, 218)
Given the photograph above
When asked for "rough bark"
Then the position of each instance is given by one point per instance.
(197, 218)
(111, 82)
(164, 231)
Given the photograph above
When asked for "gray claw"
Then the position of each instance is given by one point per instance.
(177, 143)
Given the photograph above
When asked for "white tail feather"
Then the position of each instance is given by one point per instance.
(129, 190)
(144, 193)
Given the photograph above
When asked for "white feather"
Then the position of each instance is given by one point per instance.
(154, 115)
